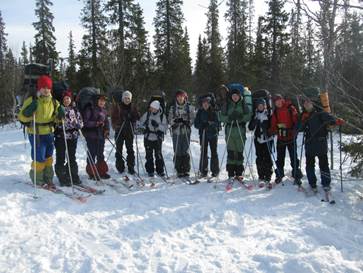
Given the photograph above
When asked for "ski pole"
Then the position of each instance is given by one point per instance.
(302, 147)
(138, 150)
(340, 158)
(243, 144)
(175, 148)
(67, 153)
(201, 167)
(190, 152)
(117, 137)
(35, 158)
(225, 150)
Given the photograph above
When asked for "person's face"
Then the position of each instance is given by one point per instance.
(127, 100)
(236, 97)
(45, 91)
(180, 100)
(279, 103)
(153, 110)
(261, 107)
(205, 105)
(308, 105)
(67, 101)
(101, 103)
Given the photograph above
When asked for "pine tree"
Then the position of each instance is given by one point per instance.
(45, 41)
(24, 54)
(94, 41)
(237, 15)
(276, 40)
(3, 42)
(72, 62)
(168, 41)
(215, 54)
(201, 72)
(310, 73)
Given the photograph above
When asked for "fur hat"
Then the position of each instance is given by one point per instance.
(155, 104)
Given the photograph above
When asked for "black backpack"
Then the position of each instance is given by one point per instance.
(58, 89)
(86, 98)
(263, 94)
(116, 95)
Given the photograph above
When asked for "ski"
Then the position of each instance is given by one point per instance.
(189, 181)
(229, 185)
(240, 180)
(85, 188)
(75, 197)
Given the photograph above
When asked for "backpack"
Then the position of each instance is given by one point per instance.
(116, 95)
(262, 94)
(245, 94)
(58, 89)
(86, 98)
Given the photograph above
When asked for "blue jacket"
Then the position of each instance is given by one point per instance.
(209, 121)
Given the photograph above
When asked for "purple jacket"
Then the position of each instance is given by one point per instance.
(72, 123)
(91, 117)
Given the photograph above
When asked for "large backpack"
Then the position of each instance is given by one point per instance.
(58, 89)
(245, 94)
(116, 95)
(265, 95)
(86, 98)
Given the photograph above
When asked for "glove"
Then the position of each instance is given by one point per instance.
(234, 116)
(30, 109)
(340, 122)
(61, 113)
(178, 120)
(154, 123)
(160, 134)
(106, 134)
(99, 124)
(186, 122)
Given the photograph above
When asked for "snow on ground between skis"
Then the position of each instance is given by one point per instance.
(178, 228)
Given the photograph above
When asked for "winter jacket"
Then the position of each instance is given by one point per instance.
(95, 122)
(45, 115)
(72, 123)
(151, 132)
(260, 122)
(284, 122)
(121, 113)
(186, 114)
(208, 121)
(314, 125)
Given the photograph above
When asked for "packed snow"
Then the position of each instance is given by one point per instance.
(176, 228)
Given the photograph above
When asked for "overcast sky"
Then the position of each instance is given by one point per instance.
(19, 16)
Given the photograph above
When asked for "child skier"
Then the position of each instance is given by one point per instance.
(96, 129)
(284, 123)
(154, 125)
(181, 117)
(208, 124)
(314, 125)
(260, 122)
(235, 118)
(41, 111)
(123, 118)
(72, 124)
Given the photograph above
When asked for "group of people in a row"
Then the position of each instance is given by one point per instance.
(59, 124)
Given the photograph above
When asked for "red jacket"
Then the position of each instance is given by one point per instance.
(284, 122)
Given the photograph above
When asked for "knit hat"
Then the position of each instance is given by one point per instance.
(181, 93)
(127, 94)
(260, 101)
(67, 93)
(44, 82)
(155, 104)
(278, 97)
(206, 99)
(235, 91)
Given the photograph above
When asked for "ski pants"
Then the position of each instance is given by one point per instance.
(263, 160)
(324, 169)
(127, 139)
(214, 162)
(153, 150)
(282, 146)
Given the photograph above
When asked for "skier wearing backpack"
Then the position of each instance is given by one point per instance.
(124, 115)
(314, 123)
(260, 123)
(154, 125)
(72, 124)
(181, 117)
(235, 117)
(208, 124)
(96, 129)
(44, 110)
(284, 123)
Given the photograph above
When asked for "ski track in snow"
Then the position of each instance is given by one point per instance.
(175, 228)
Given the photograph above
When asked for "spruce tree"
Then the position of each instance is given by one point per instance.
(215, 54)
(45, 41)
(201, 72)
(3, 42)
(94, 41)
(72, 61)
(24, 54)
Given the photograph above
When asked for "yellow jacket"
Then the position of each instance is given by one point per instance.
(45, 115)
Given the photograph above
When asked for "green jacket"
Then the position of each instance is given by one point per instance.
(45, 115)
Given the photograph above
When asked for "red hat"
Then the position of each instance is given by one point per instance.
(44, 82)
(181, 93)
(67, 93)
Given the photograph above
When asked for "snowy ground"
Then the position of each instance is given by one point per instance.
(176, 228)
